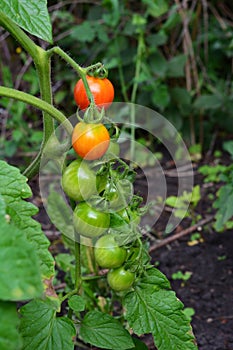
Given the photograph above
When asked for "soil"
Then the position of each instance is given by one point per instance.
(209, 291)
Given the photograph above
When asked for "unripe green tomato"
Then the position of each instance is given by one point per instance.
(90, 222)
(107, 252)
(79, 182)
(120, 279)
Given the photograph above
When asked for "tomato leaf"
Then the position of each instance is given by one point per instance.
(104, 331)
(9, 336)
(14, 188)
(158, 311)
(30, 15)
(20, 274)
(42, 330)
(60, 214)
(155, 280)
(12, 183)
(77, 303)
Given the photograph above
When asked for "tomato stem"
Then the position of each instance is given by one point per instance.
(140, 50)
(81, 71)
(78, 276)
(38, 103)
(42, 64)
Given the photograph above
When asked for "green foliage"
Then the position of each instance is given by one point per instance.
(41, 329)
(77, 303)
(223, 203)
(152, 305)
(179, 275)
(221, 174)
(181, 204)
(143, 44)
(161, 80)
(212, 173)
(9, 322)
(96, 328)
(20, 274)
(25, 260)
(109, 32)
(31, 16)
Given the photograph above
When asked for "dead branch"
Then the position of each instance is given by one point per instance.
(181, 234)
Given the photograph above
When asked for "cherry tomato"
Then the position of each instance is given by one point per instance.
(90, 222)
(101, 89)
(120, 279)
(107, 252)
(90, 141)
(79, 182)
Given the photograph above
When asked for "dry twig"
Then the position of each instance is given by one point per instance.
(181, 234)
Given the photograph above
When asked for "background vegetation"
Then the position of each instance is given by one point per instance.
(172, 56)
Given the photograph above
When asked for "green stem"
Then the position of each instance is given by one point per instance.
(121, 75)
(81, 71)
(68, 295)
(140, 51)
(43, 67)
(78, 276)
(42, 64)
(38, 103)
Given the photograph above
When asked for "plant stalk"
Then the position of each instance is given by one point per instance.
(140, 51)
(81, 71)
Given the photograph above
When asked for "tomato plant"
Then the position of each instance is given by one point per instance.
(101, 89)
(120, 279)
(29, 302)
(90, 141)
(108, 254)
(124, 216)
(90, 222)
(80, 182)
(113, 149)
(119, 194)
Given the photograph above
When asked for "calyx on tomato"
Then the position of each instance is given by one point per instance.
(108, 253)
(90, 222)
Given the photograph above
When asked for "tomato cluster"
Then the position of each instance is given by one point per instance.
(102, 192)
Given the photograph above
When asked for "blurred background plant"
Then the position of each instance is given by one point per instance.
(172, 56)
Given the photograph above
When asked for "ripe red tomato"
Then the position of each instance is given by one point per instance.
(108, 254)
(101, 89)
(90, 141)
(120, 279)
